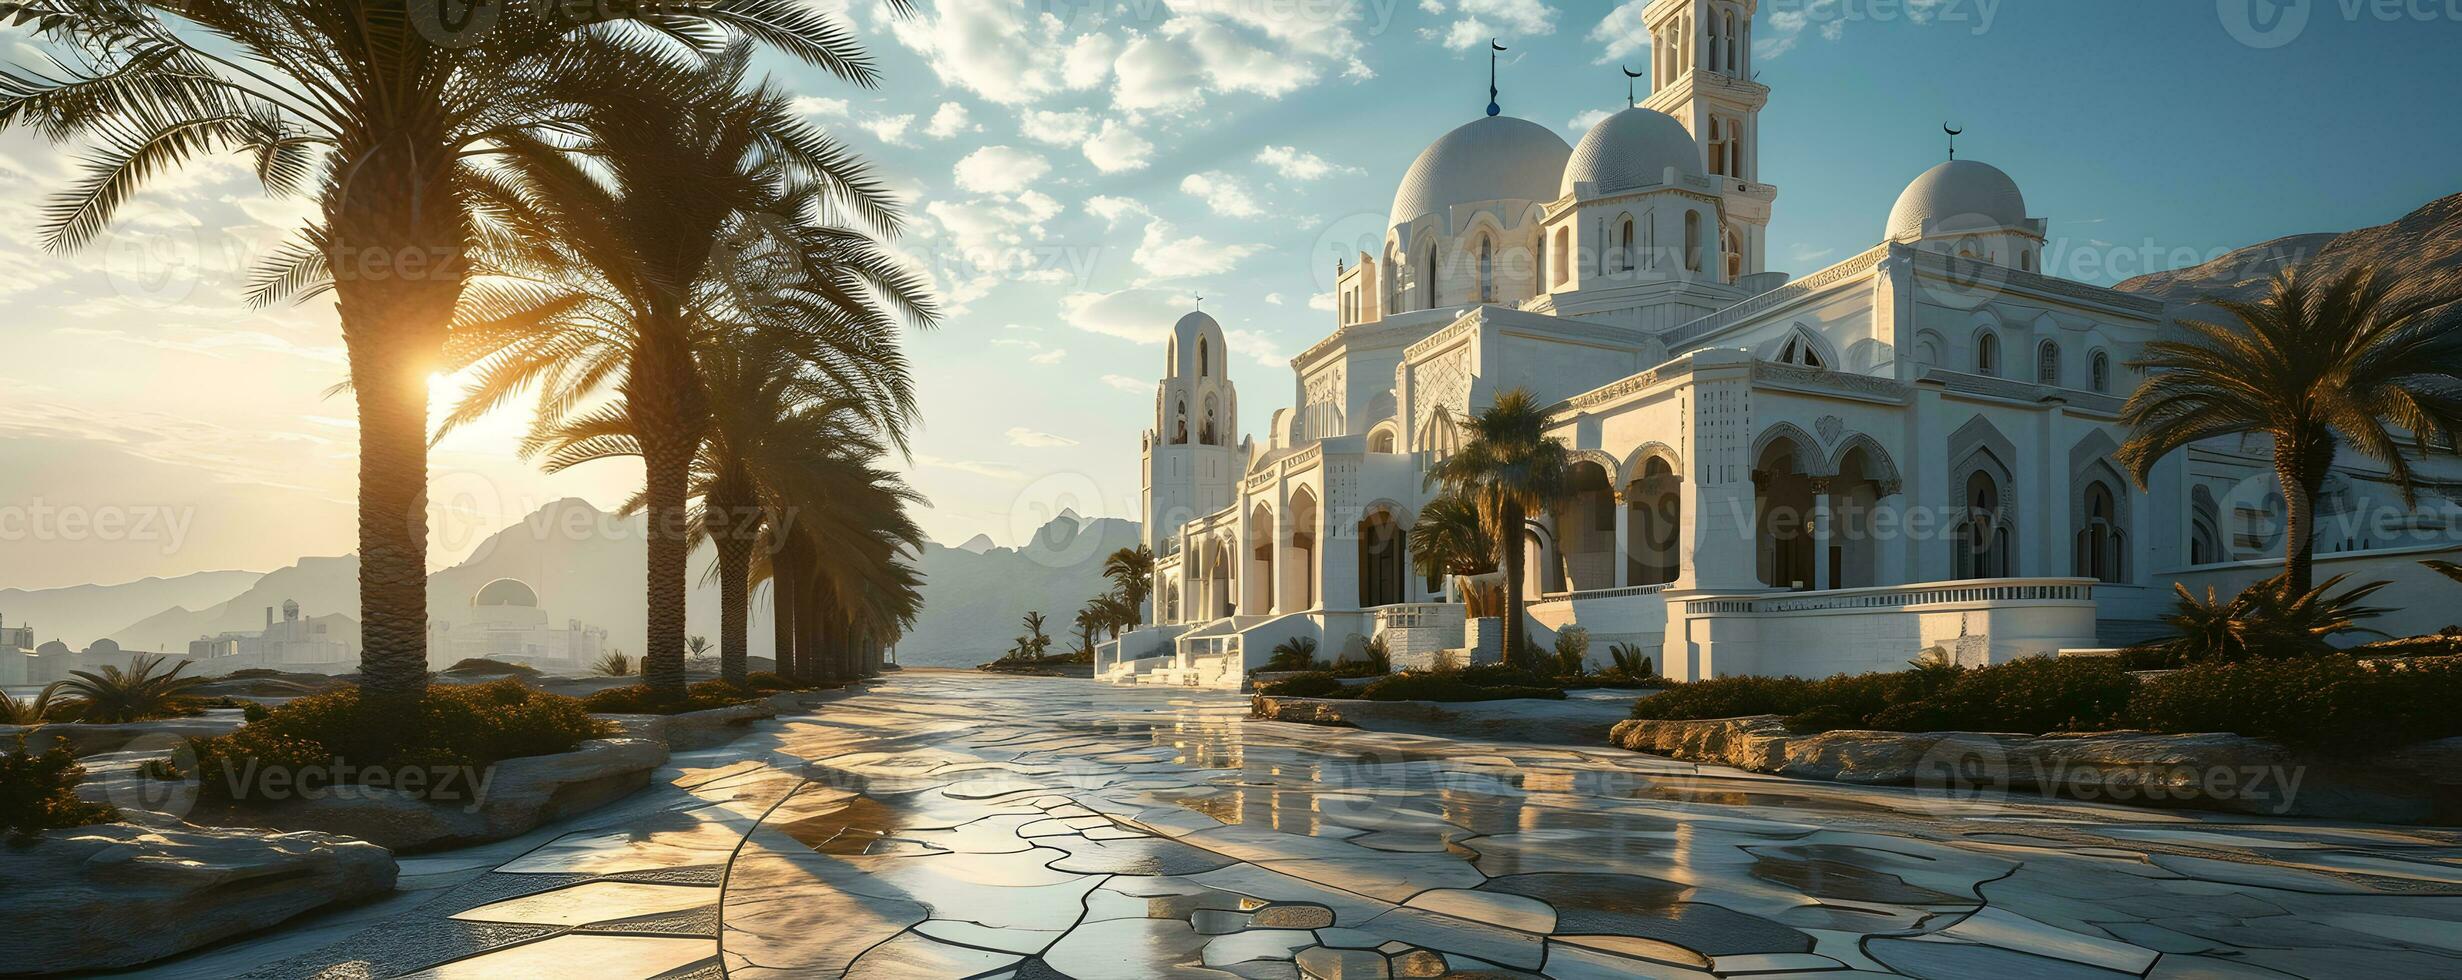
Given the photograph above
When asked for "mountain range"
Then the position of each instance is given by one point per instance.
(2421, 246)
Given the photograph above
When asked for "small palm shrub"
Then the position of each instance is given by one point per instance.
(1375, 660)
(36, 710)
(613, 664)
(38, 792)
(142, 692)
(2267, 619)
(1572, 652)
(1296, 653)
(1630, 661)
(473, 727)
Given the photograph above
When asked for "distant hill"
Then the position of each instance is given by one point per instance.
(972, 602)
(80, 614)
(2424, 244)
(586, 564)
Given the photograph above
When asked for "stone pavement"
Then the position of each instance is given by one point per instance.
(946, 824)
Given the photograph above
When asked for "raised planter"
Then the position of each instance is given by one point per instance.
(1579, 720)
(120, 894)
(83, 740)
(709, 728)
(2416, 784)
(520, 795)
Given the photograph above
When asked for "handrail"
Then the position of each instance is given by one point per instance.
(1896, 597)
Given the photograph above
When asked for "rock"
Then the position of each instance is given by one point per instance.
(708, 728)
(520, 795)
(83, 740)
(2214, 771)
(118, 894)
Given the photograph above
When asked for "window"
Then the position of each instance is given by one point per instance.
(1564, 246)
(1393, 281)
(2026, 260)
(1718, 146)
(1624, 245)
(2047, 363)
(2100, 372)
(1692, 241)
(1982, 538)
(1733, 252)
(1987, 354)
(1380, 441)
(1649, 244)
(1201, 360)
(1487, 271)
(1179, 427)
(1538, 269)
(1800, 351)
(2101, 544)
(1431, 274)
(1718, 49)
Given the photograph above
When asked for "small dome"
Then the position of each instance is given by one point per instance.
(1958, 196)
(505, 592)
(1189, 326)
(1631, 149)
(1196, 347)
(1492, 158)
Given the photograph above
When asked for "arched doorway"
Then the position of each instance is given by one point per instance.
(1586, 529)
(1384, 573)
(1864, 476)
(1984, 538)
(1782, 515)
(1298, 574)
(1653, 524)
(1257, 599)
(2102, 534)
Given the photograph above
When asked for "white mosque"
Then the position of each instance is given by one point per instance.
(1909, 451)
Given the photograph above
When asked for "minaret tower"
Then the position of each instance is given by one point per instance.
(1192, 455)
(1701, 73)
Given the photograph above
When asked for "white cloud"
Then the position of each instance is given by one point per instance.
(1154, 73)
(1052, 356)
(1168, 253)
(1031, 439)
(1622, 35)
(1583, 120)
(990, 240)
(950, 120)
(1069, 127)
(1141, 314)
(1294, 163)
(889, 129)
(1118, 148)
(1267, 351)
(1475, 21)
(1222, 193)
(999, 50)
(814, 105)
(1000, 170)
(1322, 301)
(1128, 384)
(1273, 299)
(1114, 210)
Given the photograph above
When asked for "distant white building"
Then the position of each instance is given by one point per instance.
(293, 643)
(16, 649)
(1911, 450)
(507, 624)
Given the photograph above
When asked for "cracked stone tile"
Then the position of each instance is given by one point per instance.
(1494, 908)
(1954, 959)
(596, 901)
(1126, 949)
(2008, 930)
(976, 934)
(911, 955)
(577, 957)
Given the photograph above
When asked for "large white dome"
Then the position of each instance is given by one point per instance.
(1631, 149)
(1492, 158)
(1958, 196)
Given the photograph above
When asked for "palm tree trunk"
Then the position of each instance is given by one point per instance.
(392, 529)
(782, 614)
(666, 462)
(734, 607)
(2300, 465)
(1511, 541)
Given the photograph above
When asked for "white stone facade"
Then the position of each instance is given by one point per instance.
(1909, 451)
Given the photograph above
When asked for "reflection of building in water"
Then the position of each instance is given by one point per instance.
(293, 643)
(506, 623)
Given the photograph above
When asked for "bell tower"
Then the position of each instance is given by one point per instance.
(1701, 73)
(1192, 455)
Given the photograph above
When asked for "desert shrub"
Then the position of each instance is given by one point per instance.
(42, 707)
(1452, 686)
(613, 664)
(2334, 703)
(1572, 652)
(1296, 653)
(2034, 695)
(474, 726)
(1630, 661)
(1728, 697)
(484, 667)
(111, 695)
(254, 711)
(641, 699)
(1375, 660)
(1313, 684)
(2266, 619)
(38, 792)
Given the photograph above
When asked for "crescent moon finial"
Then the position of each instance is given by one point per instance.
(1954, 133)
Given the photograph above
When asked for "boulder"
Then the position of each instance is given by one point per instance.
(118, 894)
(519, 795)
(1755, 742)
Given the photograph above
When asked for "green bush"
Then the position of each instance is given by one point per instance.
(38, 792)
(484, 667)
(1728, 697)
(1630, 661)
(1313, 684)
(2334, 703)
(474, 726)
(640, 699)
(1451, 686)
(2033, 695)
(1572, 652)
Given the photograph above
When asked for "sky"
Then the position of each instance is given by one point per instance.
(1076, 172)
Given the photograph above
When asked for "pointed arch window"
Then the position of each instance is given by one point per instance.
(2047, 363)
(1179, 424)
(1430, 273)
(1800, 351)
(1487, 270)
(1982, 537)
(1731, 252)
(2099, 371)
(1987, 354)
(1202, 362)
(1624, 244)
(1692, 241)
(1564, 246)
(1649, 242)
(1718, 145)
(2102, 544)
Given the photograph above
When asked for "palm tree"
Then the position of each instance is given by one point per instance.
(708, 225)
(382, 115)
(111, 695)
(1449, 538)
(1116, 611)
(1508, 468)
(2319, 361)
(1090, 622)
(1131, 571)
